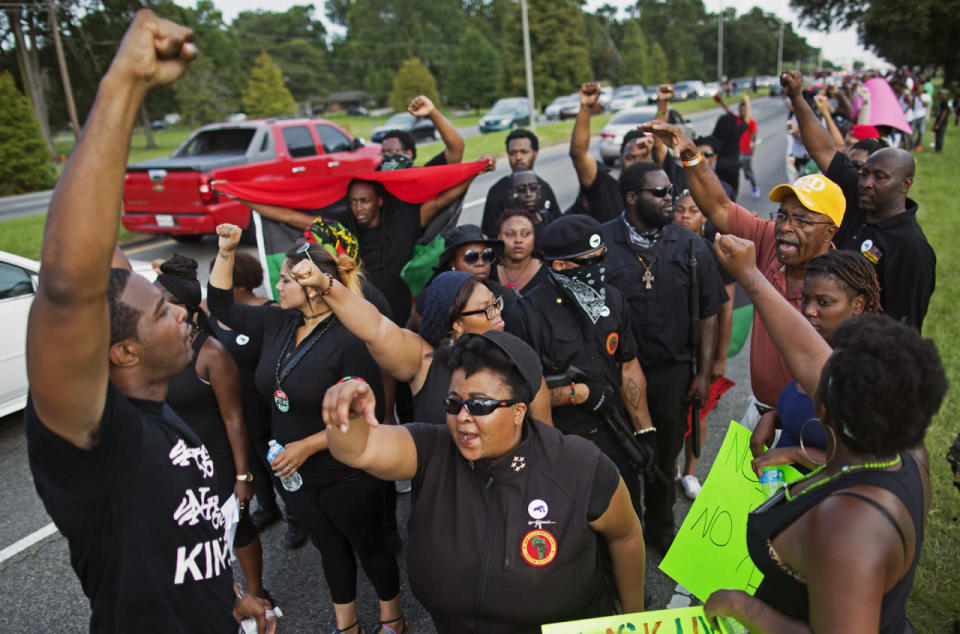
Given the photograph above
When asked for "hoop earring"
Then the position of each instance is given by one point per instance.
(803, 449)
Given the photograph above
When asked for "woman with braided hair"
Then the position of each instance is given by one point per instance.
(837, 285)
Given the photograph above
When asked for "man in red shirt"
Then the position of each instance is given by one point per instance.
(747, 143)
(811, 210)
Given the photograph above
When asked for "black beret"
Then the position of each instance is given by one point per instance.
(570, 236)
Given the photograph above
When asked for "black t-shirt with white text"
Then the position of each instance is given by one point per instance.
(142, 518)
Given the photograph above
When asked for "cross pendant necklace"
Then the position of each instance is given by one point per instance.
(647, 277)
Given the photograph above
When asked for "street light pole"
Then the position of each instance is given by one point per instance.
(529, 64)
(720, 45)
(780, 51)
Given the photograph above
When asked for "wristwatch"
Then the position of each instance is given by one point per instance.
(245, 477)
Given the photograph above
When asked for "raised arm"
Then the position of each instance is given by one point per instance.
(823, 105)
(286, 215)
(820, 146)
(356, 439)
(421, 106)
(399, 352)
(802, 347)
(584, 164)
(704, 185)
(68, 334)
(431, 208)
(664, 97)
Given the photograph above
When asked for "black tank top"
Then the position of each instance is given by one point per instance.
(193, 400)
(787, 594)
(428, 402)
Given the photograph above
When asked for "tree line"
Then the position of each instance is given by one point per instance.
(471, 50)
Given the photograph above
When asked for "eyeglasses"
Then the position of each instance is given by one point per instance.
(475, 406)
(472, 256)
(708, 154)
(800, 222)
(490, 312)
(658, 192)
(597, 259)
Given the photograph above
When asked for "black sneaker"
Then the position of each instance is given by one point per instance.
(296, 536)
(262, 518)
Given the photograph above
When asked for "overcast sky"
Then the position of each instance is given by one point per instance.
(838, 46)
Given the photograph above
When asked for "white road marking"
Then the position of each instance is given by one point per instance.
(27, 542)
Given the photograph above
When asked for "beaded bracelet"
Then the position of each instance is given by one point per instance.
(572, 394)
(351, 378)
(329, 287)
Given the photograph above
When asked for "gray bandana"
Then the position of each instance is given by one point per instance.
(641, 240)
(586, 287)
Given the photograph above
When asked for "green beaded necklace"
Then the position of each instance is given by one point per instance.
(843, 471)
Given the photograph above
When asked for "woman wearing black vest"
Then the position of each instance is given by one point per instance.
(508, 515)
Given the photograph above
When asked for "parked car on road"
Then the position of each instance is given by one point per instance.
(606, 96)
(357, 111)
(18, 286)
(711, 89)
(511, 112)
(553, 111)
(420, 127)
(173, 195)
(627, 96)
(690, 89)
(611, 136)
(651, 92)
(158, 124)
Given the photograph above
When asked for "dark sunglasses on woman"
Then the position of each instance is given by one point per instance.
(475, 406)
(472, 256)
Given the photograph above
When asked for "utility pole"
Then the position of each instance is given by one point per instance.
(780, 52)
(529, 64)
(820, 60)
(720, 45)
(64, 76)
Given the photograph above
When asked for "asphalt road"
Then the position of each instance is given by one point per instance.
(42, 594)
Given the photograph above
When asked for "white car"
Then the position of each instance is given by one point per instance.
(611, 136)
(556, 108)
(711, 89)
(606, 96)
(627, 96)
(18, 285)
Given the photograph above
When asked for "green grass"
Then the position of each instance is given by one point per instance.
(935, 601)
(23, 236)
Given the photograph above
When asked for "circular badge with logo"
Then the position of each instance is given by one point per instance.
(866, 245)
(281, 400)
(538, 509)
(595, 240)
(242, 340)
(613, 340)
(539, 547)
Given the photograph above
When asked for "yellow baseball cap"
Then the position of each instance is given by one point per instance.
(817, 193)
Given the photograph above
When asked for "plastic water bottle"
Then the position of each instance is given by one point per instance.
(771, 479)
(292, 482)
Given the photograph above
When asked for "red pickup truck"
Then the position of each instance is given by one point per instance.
(173, 195)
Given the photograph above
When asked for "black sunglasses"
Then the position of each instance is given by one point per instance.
(597, 259)
(658, 192)
(708, 154)
(475, 406)
(490, 311)
(472, 256)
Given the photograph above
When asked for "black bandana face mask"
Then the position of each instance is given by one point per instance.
(395, 162)
(585, 284)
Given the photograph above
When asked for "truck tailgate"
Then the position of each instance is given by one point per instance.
(160, 190)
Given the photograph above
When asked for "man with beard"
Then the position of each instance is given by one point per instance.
(125, 480)
(522, 148)
(803, 227)
(880, 221)
(648, 261)
(527, 193)
(574, 318)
